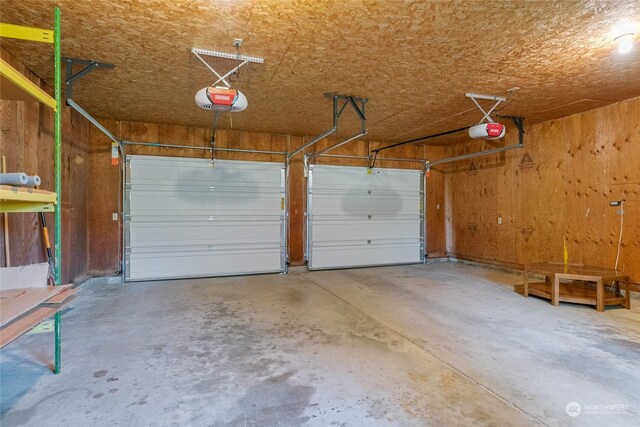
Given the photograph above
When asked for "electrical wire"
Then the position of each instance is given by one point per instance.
(613, 284)
(620, 237)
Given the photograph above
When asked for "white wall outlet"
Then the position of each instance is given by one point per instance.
(499, 220)
(114, 216)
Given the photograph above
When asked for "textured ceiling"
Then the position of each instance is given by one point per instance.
(414, 60)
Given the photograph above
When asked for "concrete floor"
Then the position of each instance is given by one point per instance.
(437, 344)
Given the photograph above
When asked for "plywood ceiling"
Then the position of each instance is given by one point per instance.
(414, 60)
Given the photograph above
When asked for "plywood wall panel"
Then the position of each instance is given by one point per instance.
(555, 190)
(538, 195)
(436, 207)
(104, 200)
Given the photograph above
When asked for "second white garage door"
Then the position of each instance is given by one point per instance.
(187, 218)
(363, 217)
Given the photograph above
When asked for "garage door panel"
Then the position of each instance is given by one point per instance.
(201, 263)
(361, 217)
(166, 234)
(180, 171)
(141, 202)
(364, 229)
(363, 255)
(186, 218)
(363, 178)
(367, 204)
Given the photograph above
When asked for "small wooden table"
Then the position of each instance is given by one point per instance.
(579, 293)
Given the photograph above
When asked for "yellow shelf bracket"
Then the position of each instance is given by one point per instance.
(18, 79)
(21, 206)
(26, 33)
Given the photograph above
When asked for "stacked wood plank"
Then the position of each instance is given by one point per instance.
(22, 309)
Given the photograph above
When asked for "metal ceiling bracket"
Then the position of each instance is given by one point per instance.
(223, 78)
(519, 123)
(486, 114)
(70, 78)
(347, 100)
(88, 67)
(227, 55)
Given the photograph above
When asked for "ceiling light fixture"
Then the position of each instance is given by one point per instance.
(625, 42)
(623, 35)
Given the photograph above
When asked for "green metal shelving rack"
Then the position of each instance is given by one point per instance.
(51, 37)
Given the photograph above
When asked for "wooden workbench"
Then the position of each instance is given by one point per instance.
(578, 286)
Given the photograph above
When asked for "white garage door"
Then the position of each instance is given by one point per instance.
(361, 217)
(187, 218)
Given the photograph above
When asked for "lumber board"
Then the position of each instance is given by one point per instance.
(14, 304)
(22, 325)
(62, 298)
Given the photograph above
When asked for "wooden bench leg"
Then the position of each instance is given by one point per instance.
(555, 290)
(526, 283)
(599, 295)
(627, 295)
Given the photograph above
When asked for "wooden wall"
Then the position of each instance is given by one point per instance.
(26, 139)
(555, 190)
(104, 179)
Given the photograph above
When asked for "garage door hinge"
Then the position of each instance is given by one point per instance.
(128, 187)
(127, 217)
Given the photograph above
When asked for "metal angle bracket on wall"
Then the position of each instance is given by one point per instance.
(89, 65)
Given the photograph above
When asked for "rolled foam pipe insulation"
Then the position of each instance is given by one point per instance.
(18, 178)
(33, 181)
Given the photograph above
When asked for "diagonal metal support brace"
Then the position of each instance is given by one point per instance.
(88, 67)
(486, 114)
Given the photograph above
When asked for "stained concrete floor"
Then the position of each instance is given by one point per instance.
(438, 344)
